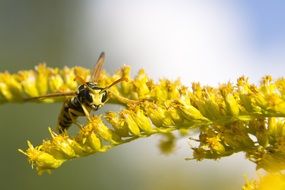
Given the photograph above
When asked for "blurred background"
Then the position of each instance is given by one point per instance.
(211, 41)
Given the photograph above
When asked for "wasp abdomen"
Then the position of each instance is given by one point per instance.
(70, 111)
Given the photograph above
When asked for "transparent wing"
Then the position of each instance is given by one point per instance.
(53, 95)
(98, 68)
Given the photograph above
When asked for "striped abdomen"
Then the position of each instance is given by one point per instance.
(71, 109)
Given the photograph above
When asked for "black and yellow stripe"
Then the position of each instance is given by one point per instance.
(66, 116)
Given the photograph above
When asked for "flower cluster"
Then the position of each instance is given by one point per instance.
(41, 81)
(253, 123)
(230, 118)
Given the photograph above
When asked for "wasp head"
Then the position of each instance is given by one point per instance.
(92, 95)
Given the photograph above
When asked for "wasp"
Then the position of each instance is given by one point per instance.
(88, 97)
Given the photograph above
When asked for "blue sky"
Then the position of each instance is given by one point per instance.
(268, 21)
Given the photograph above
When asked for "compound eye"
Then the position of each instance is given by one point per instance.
(104, 97)
(88, 97)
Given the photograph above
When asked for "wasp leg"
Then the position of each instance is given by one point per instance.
(86, 112)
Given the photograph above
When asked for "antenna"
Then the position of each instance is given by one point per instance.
(116, 82)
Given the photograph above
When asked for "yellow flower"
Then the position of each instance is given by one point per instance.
(271, 181)
(10, 88)
(28, 83)
(102, 130)
(42, 79)
(130, 122)
(215, 144)
(42, 160)
(118, 124)
(231, 118)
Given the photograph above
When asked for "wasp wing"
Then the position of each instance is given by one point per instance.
(98, 68)
(53, 95)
